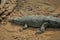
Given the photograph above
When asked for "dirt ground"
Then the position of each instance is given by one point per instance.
(9, 31)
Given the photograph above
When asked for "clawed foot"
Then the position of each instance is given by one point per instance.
(38, 33)
(24, 28)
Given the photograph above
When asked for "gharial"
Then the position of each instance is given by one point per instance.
(37, 21)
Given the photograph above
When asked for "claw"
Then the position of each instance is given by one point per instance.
(38, 33)
(24, 28)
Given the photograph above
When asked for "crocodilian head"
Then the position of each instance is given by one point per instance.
(16, 20)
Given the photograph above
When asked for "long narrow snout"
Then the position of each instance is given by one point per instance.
(10, 19)
(13, 19)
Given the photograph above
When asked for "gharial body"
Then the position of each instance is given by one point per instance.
(40, 21)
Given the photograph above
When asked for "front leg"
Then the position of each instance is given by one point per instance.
(25, 27)
(42, 28)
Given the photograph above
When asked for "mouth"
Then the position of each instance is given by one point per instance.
(10, 19)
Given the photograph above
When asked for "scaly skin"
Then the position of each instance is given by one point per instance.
(37, 21)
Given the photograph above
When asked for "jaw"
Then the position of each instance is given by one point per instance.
(12, 19)
(16, 20)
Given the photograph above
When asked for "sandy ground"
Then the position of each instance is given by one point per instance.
(9, 31)
(15, 32)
